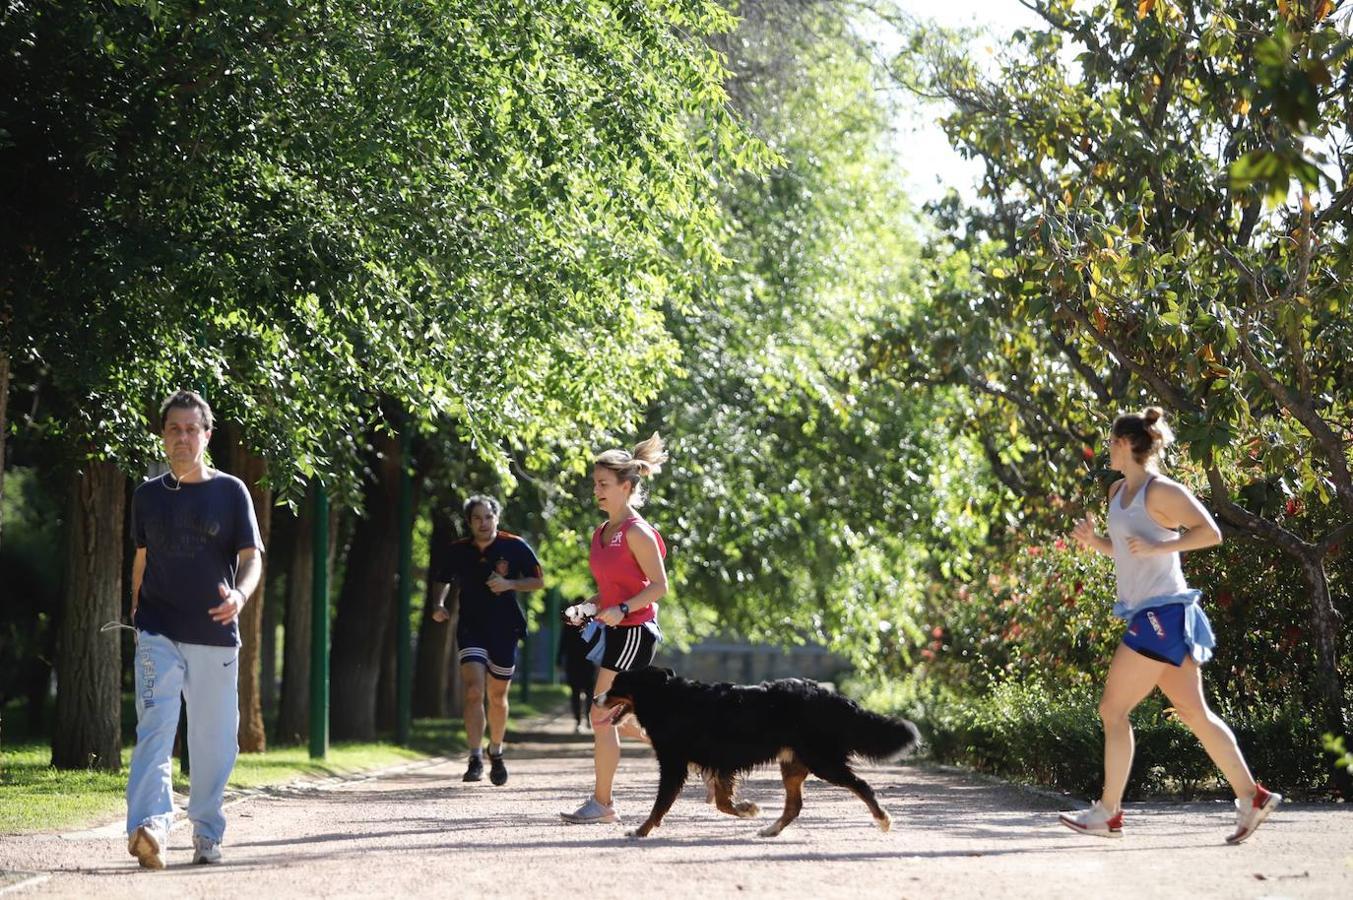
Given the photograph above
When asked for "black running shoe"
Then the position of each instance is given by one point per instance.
(497, 771)
(475, 770)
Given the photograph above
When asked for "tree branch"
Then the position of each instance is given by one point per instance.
(1331, 445)
(1022, 402)
(1166, 391)
(1085, 371)
(1250, 523)
(1335, 538)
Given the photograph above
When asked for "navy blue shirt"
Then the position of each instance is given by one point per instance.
(192, 537)
(469, 568)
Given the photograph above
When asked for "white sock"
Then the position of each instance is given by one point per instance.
(495, 749)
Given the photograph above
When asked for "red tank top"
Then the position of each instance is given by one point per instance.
(617, 572)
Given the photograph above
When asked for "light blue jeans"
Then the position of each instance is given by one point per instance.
(207, 677)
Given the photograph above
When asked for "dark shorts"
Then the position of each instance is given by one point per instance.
(1158, 633)
(629, 647)
(491, 644)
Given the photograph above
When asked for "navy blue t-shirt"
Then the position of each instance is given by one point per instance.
(192, 537)
(468, 567)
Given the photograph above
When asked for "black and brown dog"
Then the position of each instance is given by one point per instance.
(726, 730)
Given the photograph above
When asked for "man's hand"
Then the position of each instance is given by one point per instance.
(232, 601)
(440, 613)
(498, 584)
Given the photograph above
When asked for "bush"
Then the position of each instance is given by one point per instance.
(1051, 736)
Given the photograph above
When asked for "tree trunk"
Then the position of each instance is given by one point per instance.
(432, 670)
(267, 685)
(251, 468)
(4, 409)
(1328, 683)
(88, 728)
(293, 714)
(366, 602)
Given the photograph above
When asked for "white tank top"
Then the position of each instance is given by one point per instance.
(1142, 577)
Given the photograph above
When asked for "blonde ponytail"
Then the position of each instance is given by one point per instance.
(646, 459)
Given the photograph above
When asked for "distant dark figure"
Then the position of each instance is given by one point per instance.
(579, 672)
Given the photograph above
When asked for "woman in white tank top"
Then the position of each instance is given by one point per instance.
(1168, 637)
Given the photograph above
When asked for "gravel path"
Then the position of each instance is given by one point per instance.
(419, 831)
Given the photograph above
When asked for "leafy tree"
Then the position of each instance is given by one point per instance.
(316, 212)
(793, 484)
(1165, 219)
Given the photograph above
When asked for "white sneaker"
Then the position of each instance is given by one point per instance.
(205, 850)
(147, 845)
(1095, 821)
(1251, 815)
(593, 812)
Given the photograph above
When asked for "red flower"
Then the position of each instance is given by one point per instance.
(1088, 453)
(937, 631)
(1035, 551)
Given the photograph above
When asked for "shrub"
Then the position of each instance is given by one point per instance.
(1035, 733)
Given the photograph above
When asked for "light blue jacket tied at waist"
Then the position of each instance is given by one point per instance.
(1197, 629)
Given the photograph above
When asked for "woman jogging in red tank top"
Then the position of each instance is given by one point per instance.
(626, 559)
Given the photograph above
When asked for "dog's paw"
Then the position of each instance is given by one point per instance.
(884, 824)
(747, 809)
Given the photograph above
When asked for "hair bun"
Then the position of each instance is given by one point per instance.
(1157, 427)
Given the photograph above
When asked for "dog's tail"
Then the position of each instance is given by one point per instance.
(877, 737)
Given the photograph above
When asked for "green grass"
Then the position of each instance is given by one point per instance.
(36, 797)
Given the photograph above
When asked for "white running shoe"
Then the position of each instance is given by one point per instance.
(1249, 816)
(1095, 821)
(205, 850)
(147, 845)
(593, 812)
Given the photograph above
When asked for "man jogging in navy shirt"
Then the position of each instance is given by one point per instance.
(483, 574)
(197, 561)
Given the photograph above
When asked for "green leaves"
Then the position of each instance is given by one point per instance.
(343, 208)
(1122, 255)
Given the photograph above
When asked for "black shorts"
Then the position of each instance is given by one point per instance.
(629, 646)
(492, 645)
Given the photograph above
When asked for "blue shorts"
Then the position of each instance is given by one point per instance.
(1159, 634)
(491, 644)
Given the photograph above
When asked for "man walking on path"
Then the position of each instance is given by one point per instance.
(197, 561)
(486, 571)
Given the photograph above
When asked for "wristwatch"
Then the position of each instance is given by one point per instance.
(624, 609)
